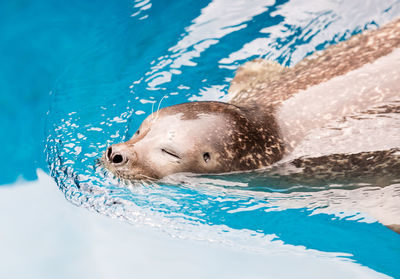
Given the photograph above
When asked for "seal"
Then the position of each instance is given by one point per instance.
(270, 111)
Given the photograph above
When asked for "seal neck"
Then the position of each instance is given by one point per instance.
(264, 123)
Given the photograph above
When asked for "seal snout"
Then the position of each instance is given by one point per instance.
(116, 155)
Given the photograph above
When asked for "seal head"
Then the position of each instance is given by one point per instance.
(200, 137)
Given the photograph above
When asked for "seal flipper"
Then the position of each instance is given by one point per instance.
(253, 78)
(380, 167)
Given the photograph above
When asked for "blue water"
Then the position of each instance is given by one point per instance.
(78, 76)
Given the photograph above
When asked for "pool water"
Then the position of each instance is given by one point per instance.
(108, 65)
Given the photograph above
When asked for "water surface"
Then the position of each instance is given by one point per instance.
(107, 65)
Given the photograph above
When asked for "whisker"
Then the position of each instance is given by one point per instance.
(152, 110)
(159, 104)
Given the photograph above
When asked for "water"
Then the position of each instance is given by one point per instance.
(106, 67)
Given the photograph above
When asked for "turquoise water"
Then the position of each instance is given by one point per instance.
(80, 76)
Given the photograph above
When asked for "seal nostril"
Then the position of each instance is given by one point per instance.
(117, 159)
(109, 151)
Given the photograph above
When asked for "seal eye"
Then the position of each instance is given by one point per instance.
(206, 157)
(137, 132)
(170, 153)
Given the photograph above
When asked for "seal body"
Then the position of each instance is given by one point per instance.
(270, 111)
(358, 92)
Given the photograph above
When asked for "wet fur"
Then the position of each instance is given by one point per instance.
(258, 90)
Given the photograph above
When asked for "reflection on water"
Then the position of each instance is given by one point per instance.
(138, 57)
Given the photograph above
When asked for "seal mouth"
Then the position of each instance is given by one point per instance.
(132, 177)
